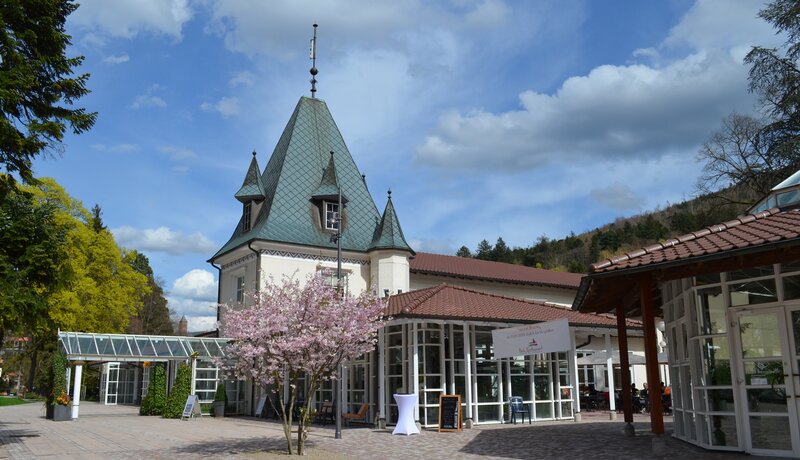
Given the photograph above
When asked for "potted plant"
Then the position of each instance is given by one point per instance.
(220, 399)
(62, 409)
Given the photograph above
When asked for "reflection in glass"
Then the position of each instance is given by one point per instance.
(790, 267)
(770, 433)
(712, 311)
(791, 287)
(753, 292)
(702, 280)
(755, 272)
(544, 410)
(758, 336)
(716, 361)
(767, 400)
(720, 400)
(487, 388)
(763, 373)
(542, 387)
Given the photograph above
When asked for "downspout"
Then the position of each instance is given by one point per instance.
(219, 287)
(258, 266)
(258, 289)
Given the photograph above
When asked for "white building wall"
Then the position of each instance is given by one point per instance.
(389, 271)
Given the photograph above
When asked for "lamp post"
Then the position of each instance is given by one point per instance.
(337, 384)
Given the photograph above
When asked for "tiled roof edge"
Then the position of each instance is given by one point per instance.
(682, 239)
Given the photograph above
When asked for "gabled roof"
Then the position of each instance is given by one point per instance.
(748, 231)
(252, 188)
(465, 267)
(455, 302)
(388, 234)
(294, 172)
(328, 188)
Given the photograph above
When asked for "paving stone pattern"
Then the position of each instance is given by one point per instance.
(117, 432)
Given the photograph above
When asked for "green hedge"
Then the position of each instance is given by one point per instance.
(58, 375)
(180, 391)
(156, 399)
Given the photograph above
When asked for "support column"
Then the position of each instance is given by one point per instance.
(625, 372)
(612, 404)
(76, 391)
(194, 375)
(468, 369)
(651, 354)
(382, 373)
(415, 369)
(573, 366)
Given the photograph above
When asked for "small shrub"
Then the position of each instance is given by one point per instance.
(156, 398)
(221, 394)
(180, 391)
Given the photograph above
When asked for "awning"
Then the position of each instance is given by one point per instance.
(85, 346)
(600, 358)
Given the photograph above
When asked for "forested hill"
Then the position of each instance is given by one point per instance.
(576, 252)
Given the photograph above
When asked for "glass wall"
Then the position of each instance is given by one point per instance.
(723, 331)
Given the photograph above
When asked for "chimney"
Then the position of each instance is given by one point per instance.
(183, 327)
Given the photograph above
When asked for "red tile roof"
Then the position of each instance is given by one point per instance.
(455, 302)
(748, 231)
(464, 267)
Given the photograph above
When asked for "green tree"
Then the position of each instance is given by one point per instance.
(38, 90)
(156, 399)
(501, 252)
(180, 391)
(153, 315)
(484, 251)
(102, 292)
(464, 251)
(97, 219)
(33, 258)
(775, 78)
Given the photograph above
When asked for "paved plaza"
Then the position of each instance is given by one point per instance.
(118, 432)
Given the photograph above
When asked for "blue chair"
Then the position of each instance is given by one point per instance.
(517, 406)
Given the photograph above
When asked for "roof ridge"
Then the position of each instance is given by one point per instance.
(710, 230)
(500, 296)
(416, 303)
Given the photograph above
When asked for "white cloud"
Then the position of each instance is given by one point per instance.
(147, 100)
(116, 148)
(488, 13)
(227, 106)
(113, 59)
(163, 239)
(197, 284)
(244, 78)
(178, 153)
(127, 18)
(618, 197)
(436, 246)
(616, 111)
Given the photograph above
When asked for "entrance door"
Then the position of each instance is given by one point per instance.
(793, 324)
(769, 413)
(112, 384)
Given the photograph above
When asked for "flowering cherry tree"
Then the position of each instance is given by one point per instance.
(297, 333)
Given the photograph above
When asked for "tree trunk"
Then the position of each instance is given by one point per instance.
(34, 363)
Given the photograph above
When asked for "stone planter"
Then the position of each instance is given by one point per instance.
(62, 413)
(48, 412)
(219, 408)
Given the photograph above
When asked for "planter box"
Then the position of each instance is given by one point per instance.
(219, 408)
(62, 413)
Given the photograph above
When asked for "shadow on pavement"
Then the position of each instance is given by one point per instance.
(237, 446)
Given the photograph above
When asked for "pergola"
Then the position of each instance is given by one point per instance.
(629, 285)
(84, 347)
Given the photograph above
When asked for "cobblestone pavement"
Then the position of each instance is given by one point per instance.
(117, 432)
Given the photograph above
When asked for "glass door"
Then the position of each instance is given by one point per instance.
(768, 419)
(112, 383)
(793, 324)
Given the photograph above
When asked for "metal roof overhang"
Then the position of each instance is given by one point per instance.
(87, 346)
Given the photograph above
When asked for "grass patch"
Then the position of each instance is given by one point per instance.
(12, 401)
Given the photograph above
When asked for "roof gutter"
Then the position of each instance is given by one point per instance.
(219, 287)
(258, 266)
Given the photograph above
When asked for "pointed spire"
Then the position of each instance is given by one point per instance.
(328, 188)
(388, 234)
(314, 70)
(252, 188)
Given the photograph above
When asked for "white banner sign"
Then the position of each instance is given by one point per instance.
(532, 339)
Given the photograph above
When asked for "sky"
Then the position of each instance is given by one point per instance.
(486, 118)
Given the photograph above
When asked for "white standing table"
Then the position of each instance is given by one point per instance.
(406, 404)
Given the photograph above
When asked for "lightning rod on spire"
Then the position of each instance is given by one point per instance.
(314, 70)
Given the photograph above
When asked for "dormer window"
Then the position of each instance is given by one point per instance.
(331, 215)
(246, 216)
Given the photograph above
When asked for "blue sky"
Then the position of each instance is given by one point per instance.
(486, 118)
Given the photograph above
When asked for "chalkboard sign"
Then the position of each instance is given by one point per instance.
(450, 413)
(192, 408)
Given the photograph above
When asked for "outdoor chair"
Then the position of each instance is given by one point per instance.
(326, 413)
(359, 417)
(517, 406)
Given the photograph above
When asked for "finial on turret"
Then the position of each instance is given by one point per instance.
(314, 70)
(254, 152)
(390, 193)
